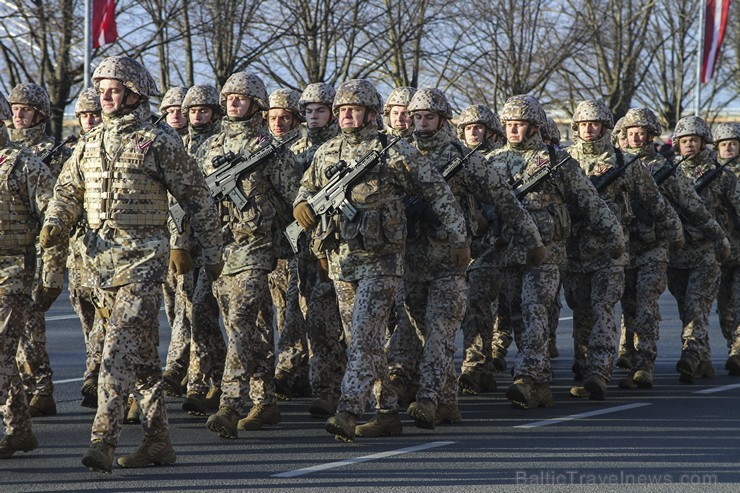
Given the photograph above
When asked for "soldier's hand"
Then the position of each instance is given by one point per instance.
(616, 252)
(304, 215)
(460, 257)
(323, 269)
(722, 250)
(213, 271)
(180, 261)
(46, 296)
(50, 236)
(677, 244)
(535, 256)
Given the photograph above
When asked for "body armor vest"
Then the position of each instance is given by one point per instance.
(18, 226)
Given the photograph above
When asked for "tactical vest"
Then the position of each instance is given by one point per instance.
(122, 192)
(19, 226)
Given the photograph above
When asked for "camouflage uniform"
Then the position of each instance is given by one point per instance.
(33, 360)
(436, 291)
(367, 262)
(529, 291)
(252, 235)
(25, 190)
(693, 271)
(594, 280)
(400, 96)
(128, 240)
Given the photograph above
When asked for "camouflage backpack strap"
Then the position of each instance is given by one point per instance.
(8, 161)
(620, 156)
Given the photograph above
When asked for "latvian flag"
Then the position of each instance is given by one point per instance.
(104, 22)
(714, 30)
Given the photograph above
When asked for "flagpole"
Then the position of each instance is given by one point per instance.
(699, 56)
(88, 39)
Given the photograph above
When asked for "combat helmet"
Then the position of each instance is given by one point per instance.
(691, 125)
(360, 92)
(480, 115)
(726, 131)
(430, 100)
(286, 99)
(523, 108)
(32, 95)
(173, 97)
(127, 71)
(88, 102)
(642, 117)
(246, 84)
(319, 93)
(592, 110)
(202, 95)
(5, 112)
(400, 96)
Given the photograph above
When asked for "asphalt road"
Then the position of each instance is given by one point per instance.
(674, 438)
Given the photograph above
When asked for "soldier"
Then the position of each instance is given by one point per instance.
(528, 290)
(693, 271)
(25, 190)
(171, 108)
(550, 133)
(252, 237)
(395, 113)
(128, 240)
(367, 260)
(619, 135)
(202, 107)
(727, 144)
(31, 109)
(435, 289)
(594, 276)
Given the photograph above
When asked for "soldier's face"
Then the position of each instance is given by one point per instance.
(317, 115)
(426, 121)
(399, 118)
(689, 145)
(175, 118)
(89, 120)
(475, 133)
(113, 96)
(590, 131)
(281, 121)
(353, 116)
(728, 149)
(200, 115)
(23, 116)
(637, 136)
(238, 105)
(622, 141)
(516, 131)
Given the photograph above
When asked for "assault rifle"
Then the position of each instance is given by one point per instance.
(538, 178)
(333, 197)
(417, 207)
(602, 181)
(667, 171)
(48, 156)
(223, 181)
(708, 177)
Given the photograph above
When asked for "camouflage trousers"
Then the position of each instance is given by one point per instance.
(178, 352)
(82, 300)
(728, 307)
(695, 290)
(477, 326)
(207, 346)
(365, 306)
(643, 286)
(436, 310)
(593, 296)
(403, 346)
(130, 362)
(246, 308)
(527, 292)
(13, 313)
(33, 360)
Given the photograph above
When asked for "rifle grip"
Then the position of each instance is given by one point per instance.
(293, 233)
(238, 197)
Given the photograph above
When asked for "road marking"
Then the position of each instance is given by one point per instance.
(573, 417)
(357, 460)
(566, 318)
(714, 390)
(62, 317)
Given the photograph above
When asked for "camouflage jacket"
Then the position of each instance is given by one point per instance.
(251, 234)
(126, 210)
(373, 244)
(428, 256)
(733, 225)
(26, 186)
(197, 135)
(632, 196)
(567, 191)
(305, 148)
(36, 140)
(80, 265)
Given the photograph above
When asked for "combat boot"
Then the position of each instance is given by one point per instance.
(541, 396)
(224, 422)
(423, 413)
(382, 424)
(132, 412)
(323, 406)
(154, 449)
(99, 457)
(172, 383)
(89, 393)
(624, 360)
(342, 426)
(732, 365)
(282, 387)
(195, 404)
(520, 392)
(687, 366)
(705, 369)
(498, 361)
(595, 385)
(213, 398)
(447, 413)
(469, 382)
(487, 382)
(259, 416)
(643, 377)
(42, 405)
(405, 390)
(23, 442)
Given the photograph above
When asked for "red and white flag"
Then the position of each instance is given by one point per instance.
(104, 22)
(717, 12)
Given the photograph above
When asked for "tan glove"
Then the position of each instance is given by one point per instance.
(213, 271)
(324, 269)
(535, 256)
(722, 250)
(616, 252)
(460, 257)
(180, 261)
(304, 215)
(50, 236)
(46, 296)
